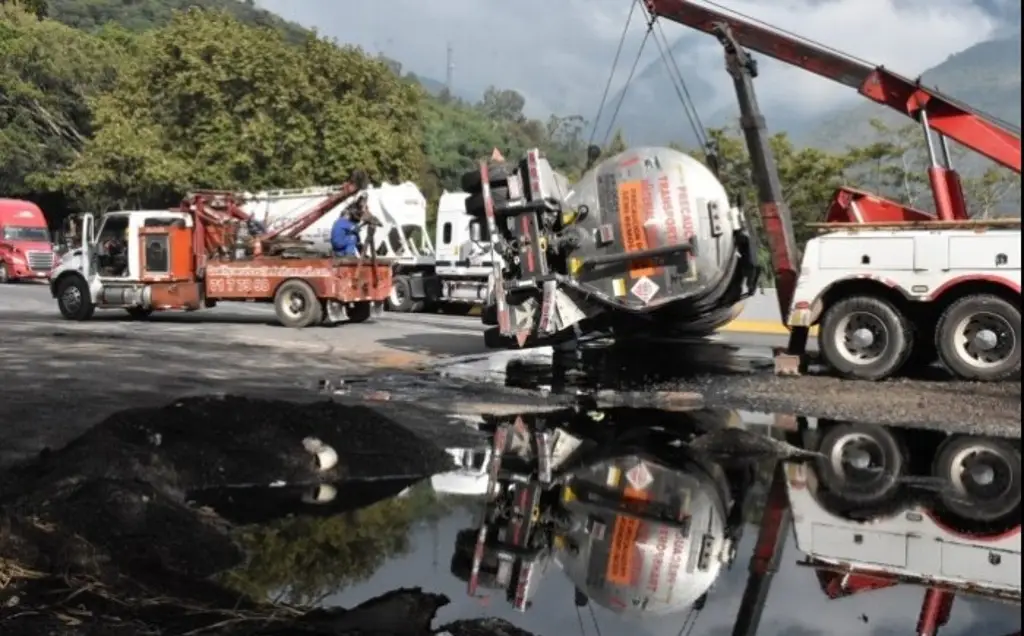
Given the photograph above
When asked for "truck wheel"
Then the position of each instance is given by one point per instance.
(865, 338)
(978, 338)
(74, 299)
(981, 477)
(494, 340)
(139, 313)
(471, 180)
(401, 299)
(489, 315)
(5, 275)
(296, 304)
(861, 464)
(359, 312)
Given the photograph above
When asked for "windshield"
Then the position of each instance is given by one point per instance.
(36, 234)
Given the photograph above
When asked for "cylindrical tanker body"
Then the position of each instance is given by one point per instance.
(648, 237)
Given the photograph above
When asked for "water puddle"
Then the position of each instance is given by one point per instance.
(236, 516)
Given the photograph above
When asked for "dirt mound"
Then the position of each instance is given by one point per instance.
(104, 537)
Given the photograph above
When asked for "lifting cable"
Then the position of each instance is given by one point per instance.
(611, 73)
(611, 76)
(682, 90)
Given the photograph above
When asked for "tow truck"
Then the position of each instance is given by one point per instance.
(890, 287)
(641, 513)
(209, 250)
(449, 271)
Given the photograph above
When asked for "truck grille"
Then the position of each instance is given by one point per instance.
(40, 261)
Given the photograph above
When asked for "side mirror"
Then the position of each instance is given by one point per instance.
(474, 232)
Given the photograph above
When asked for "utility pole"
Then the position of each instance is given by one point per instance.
(449, 69)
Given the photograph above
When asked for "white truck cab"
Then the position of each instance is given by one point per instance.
(113, 264)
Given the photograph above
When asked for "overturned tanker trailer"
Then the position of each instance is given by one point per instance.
(646, 242)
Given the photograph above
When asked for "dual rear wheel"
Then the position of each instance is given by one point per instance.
(297, 306)
(976, 338)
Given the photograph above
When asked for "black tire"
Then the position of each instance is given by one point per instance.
(138, 313)
(489, 315)
(494, 340)
(964, 462)
(979, 314)
(296, 305)
(74, 299)
(841, 469)
(880, 318)
(359, 312)
(457, 309)
(471, 181)
(401, 300)
(475, 202)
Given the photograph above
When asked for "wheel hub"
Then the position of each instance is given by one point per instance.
(861, 338)
(72, 298)
(984, 340)
(857, 458)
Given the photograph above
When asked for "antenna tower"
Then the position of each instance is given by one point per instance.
(449, 68)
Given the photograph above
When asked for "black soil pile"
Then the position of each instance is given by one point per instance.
(108, 535)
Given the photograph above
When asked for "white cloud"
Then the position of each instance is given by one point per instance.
(559, 53)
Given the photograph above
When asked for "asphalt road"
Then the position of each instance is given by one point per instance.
(59, 377)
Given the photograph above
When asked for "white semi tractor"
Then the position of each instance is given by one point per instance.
(448, 271)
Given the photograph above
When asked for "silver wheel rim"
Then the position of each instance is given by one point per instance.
(397, 297)
(978, 472)
(72, 299)
(984, 340)
(857, 459)
(3, 273)
(861, 338)
(294, 305)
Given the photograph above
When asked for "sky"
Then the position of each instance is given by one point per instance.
(558, 55)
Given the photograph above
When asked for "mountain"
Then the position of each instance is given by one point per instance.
(986, 76)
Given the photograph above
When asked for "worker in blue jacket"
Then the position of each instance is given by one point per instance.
(345, 231)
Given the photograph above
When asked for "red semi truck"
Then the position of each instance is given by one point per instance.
(25, 248)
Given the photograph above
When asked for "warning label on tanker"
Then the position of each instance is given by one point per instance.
(623, 560)
(632, 217)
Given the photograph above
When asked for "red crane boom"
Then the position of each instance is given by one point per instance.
(998, 141)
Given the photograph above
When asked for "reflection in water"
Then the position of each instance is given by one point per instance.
(633, 521)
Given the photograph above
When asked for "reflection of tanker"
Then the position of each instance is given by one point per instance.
(639, 522)
(626, 504)
(884, 506)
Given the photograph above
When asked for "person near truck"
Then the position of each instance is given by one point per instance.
(345, 232)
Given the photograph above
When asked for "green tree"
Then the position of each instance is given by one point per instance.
(502, 105)
(39, 8)
(49, 73)
(209, 102)
(616, 145)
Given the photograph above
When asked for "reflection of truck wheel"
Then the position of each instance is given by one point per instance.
(401, 299)
(138, 313)
(865, 338)
(296, 304)
(860, 464)
(471, 180)
(981, 478)
(359, 312)
(74, 299)
(5, 275)
(978, 338)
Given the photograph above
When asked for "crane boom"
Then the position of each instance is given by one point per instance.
(995, 140)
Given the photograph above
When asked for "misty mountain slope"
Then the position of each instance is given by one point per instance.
(652, 112)
(986, 76)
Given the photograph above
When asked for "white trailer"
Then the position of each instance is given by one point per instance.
(449, 271)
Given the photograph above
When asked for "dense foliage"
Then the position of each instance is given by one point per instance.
(110, 104)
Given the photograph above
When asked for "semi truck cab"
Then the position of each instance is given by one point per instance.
(26, 252)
